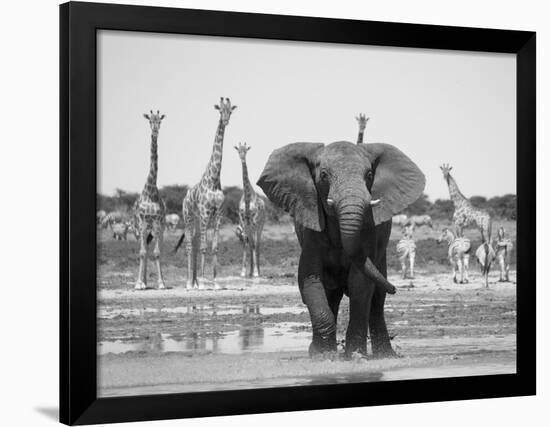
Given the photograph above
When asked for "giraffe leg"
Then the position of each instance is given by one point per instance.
(243, 270)
(142, 273)
(202, 233)
(215, 238)
(255, 262)
(258, 242)
(158, 237)
(501, 268)
(411, 259)
(188, 232)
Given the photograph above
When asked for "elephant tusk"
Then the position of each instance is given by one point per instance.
(330, 202)
(374, 202)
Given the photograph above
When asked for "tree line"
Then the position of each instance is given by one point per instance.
(500, 207)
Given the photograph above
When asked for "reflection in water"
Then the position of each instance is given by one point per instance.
(251, 338)
(200, 309)
(279, 337)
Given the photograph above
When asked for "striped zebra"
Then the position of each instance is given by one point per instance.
(406, 248)
(503, 254)
(120, 230)
(399, 220)
(459, 254)
(485, 255)
(420, 220)
(112, 218)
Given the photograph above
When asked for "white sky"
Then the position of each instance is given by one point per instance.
(436, 106)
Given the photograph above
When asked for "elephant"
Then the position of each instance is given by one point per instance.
(342, 197)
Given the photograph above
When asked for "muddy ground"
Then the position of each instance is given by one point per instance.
(256, 332)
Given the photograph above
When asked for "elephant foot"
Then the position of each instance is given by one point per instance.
(382, 349)
(321, 345)
(355, 345)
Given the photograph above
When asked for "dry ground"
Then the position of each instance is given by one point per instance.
(255, 333)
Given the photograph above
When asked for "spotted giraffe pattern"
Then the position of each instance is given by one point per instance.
(202, 206)
(251, 218)
(149, 211)
(362, 122)
(465, 215)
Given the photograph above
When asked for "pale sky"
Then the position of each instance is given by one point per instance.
(436, 106)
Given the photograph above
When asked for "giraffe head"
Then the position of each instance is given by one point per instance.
(362, 120)
(154, 121)
(446, 169)
(225, 109)
(242, 149)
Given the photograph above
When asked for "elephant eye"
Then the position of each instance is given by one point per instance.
(368, 177)
(323, 175)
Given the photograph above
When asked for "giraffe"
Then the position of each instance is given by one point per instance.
(251, 218)
(203, 204)
(362, 120)
(465, 214)
(149, 210)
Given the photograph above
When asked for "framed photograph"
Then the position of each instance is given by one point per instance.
(267, 213)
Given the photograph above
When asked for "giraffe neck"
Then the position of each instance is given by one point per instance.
(247, 189)
(213, 170)
(360, 136)
(153, 168)
(456, 196)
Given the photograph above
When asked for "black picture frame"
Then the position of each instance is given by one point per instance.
(78, 371)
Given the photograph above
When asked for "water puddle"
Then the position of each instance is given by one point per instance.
(287, 336)
(196, 309)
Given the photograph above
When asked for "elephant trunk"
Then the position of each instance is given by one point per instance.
(351, 216)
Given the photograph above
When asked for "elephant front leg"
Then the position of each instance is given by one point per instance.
(360, 297)
(314, 297)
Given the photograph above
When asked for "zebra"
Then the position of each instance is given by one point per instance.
(99, 217)
(399, 220)
(120, 230)
(420, 220)
(459, 254)
(112, 218)
(485, 255)
(172, 221)
(503, 254)
(407, 248)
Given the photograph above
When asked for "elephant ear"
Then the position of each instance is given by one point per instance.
(398, 181)
(287, 180)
